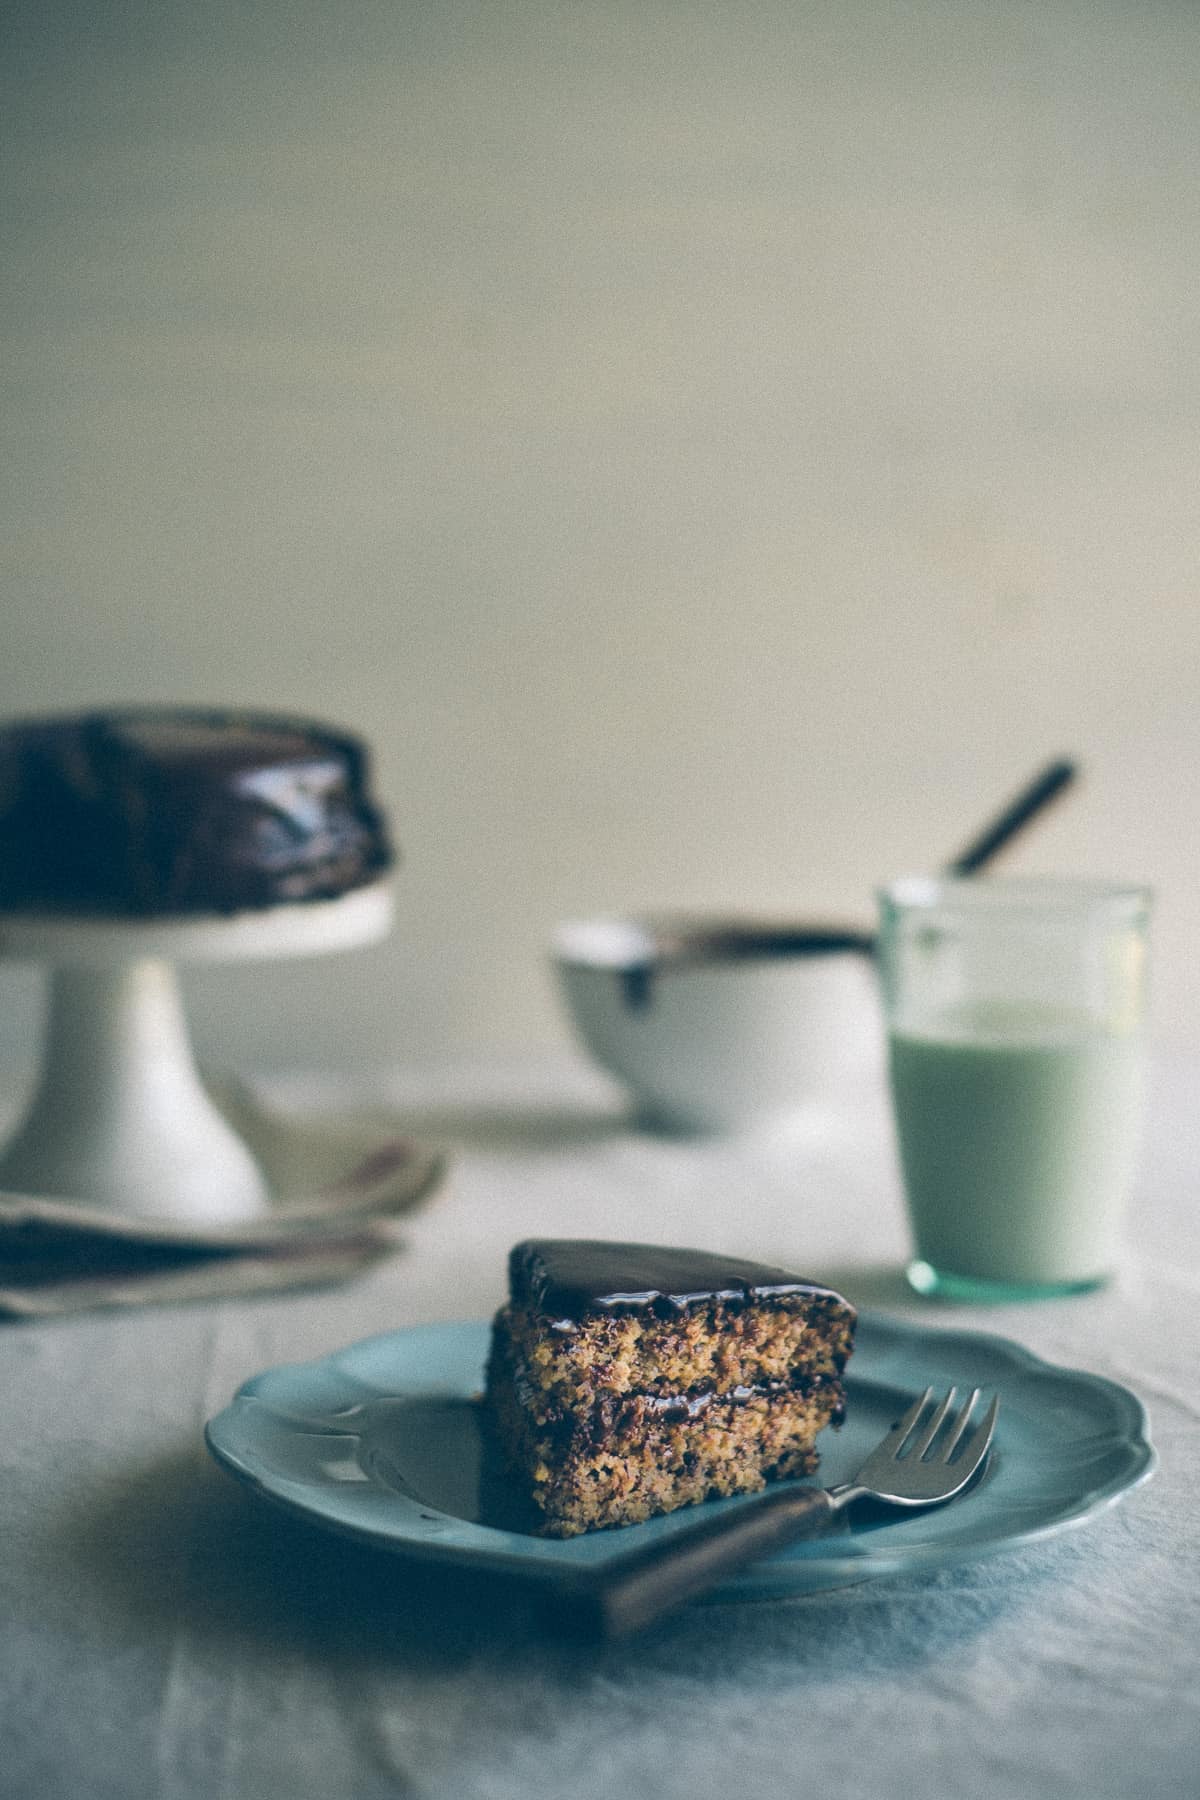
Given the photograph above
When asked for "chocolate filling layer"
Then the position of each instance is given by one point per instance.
(612, 1415)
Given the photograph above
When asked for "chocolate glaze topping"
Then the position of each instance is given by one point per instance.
(175, 810)
(567, 1279)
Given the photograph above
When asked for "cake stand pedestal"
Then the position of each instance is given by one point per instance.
(119, 1116)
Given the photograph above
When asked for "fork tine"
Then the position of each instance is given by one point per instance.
(979, 1442)
(929, 1432)
(955, 1435)
(901, 1429)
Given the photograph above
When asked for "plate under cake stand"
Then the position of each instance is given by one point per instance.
(120, 1119)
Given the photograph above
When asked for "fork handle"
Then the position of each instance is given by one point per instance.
(632, 1593)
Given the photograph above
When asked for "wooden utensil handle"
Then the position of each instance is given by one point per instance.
(632, 1593)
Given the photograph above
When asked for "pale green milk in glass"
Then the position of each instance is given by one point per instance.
(1015, 1016)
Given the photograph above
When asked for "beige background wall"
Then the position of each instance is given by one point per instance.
(712, 451)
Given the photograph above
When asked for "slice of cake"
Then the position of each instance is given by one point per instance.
(625, 1380)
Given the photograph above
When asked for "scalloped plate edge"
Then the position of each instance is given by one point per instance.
(781, 1576)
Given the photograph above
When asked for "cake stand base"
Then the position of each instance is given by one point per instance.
(120, 1118)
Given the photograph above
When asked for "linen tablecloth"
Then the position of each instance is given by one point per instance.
(164, 1633)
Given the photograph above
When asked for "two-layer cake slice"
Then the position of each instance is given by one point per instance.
(625, 1380)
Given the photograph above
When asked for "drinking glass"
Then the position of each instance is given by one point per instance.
(1016, 1024)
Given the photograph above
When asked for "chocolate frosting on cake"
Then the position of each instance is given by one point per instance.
(567, 1279)
(138, 812)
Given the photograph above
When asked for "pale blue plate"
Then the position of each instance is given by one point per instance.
(382, 1441)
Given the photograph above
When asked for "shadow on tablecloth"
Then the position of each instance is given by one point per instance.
(180, 1549)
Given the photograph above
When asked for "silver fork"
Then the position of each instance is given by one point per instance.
(926, 1459)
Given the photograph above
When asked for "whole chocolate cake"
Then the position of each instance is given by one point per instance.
(629, 1379)
(136, 813)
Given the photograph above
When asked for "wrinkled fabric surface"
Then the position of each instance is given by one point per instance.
(337, 1187)
(162, 1632)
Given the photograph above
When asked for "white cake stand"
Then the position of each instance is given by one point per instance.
(119, 1116)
